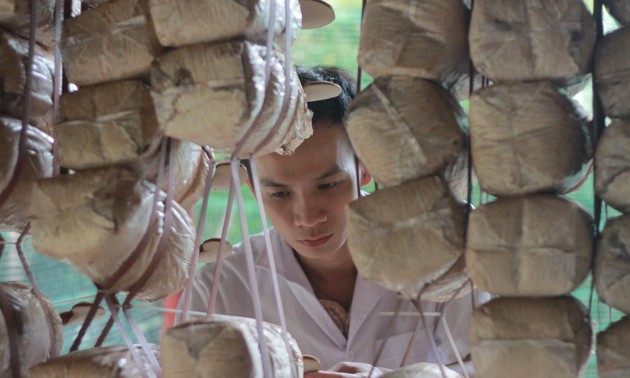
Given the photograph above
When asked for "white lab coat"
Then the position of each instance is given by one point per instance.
(311, 326)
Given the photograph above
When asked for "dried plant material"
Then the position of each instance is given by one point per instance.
(212, 94)
(95, 219)
(612, 72)
(112, 361)
(531, 337)
(316, 14)
(528, 138)
(613, 350)
(37, 164)
(209, 250)
(221, 20)
(404, 128)
(612, 165)
(407, 236)
(78, 313)
(619, 9)
(524, 40)
(32, 322)
(223, 176)
(612, 263)
(311, 363)
(223, 346)
(111, 42)
(13, 67)
(15, 15)
(422, 370)
(537, 245)
(419, 38)
(106, 124)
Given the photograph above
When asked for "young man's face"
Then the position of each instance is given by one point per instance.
(305, 194)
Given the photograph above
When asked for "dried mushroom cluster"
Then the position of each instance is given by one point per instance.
(409, 131)
(611, 272)
(530, 143)
(151, 93)
(133, 150)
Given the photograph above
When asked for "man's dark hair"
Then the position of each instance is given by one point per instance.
(332, 110)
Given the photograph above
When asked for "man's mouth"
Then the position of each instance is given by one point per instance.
(315, 242)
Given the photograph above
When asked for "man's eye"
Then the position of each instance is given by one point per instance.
(328, 186)
(278, 195)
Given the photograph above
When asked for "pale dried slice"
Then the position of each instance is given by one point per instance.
(212, 94)
(311, 363)
(222, 346)
(106, 124)
(619, 9)
(612, 263)
(427, 39)
(112, 361)
(422, 370)
(223, 176)
(78, 313)
(316, 14)
(536, 245)
(32, 322)
(405, 237)
(528, 138)
(221, 20)
(95, 219)
(522, 40)
(613, 350)
(403, 128)
(37, 164)
(13, 67)
(209, 250)
(531, 337)
(612, 165)
(111, 42)
(612, 72)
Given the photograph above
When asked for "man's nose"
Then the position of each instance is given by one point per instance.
(308, 213)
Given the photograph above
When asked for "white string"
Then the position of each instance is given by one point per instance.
(197, 243)
(130, 346)
(270, 256)
(253, 282)
(454, 347)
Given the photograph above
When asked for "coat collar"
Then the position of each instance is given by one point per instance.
(366, 294)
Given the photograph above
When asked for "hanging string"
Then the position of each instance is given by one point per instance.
(598, 127)
(438, 357)
(57, 79)
(8, 313)
(359, 70)
(235, 165)
(220, 256)
(270, 256)
(388, 332)
(113, 306)
(200, 227)
(38, 294)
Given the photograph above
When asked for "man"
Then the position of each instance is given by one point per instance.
(332, 312)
